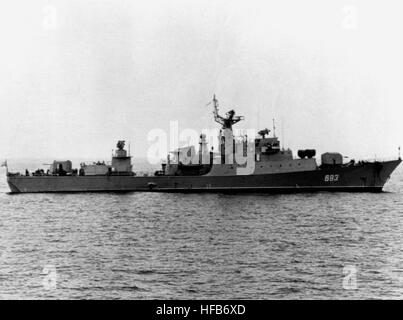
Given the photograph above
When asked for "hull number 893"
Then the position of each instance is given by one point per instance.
(331, 177)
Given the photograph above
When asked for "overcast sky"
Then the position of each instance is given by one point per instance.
(76, 76)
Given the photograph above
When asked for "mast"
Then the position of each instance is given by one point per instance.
(4, 164)
(217, 117)
(226, 135)
(215, 107)
(228, 121)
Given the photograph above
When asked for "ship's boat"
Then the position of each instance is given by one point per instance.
(241, 164)
(309, 153)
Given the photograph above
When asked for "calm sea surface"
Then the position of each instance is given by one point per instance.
(193, 246)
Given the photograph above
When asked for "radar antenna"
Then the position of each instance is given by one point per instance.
(264, 132)
(120, 145)
(228, 121)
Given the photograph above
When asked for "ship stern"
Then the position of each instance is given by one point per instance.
(12, 185)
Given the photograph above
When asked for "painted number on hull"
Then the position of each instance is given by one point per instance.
(331, 177)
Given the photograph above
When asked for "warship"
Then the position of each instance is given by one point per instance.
(241, 164)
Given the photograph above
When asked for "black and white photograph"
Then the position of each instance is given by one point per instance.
(217, 151)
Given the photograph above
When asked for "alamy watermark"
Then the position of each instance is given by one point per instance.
(350, 278)
(49, 17)
(350, 17)
(211, 146)
(49, 280)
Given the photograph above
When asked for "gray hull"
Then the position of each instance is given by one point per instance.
(364, 177)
